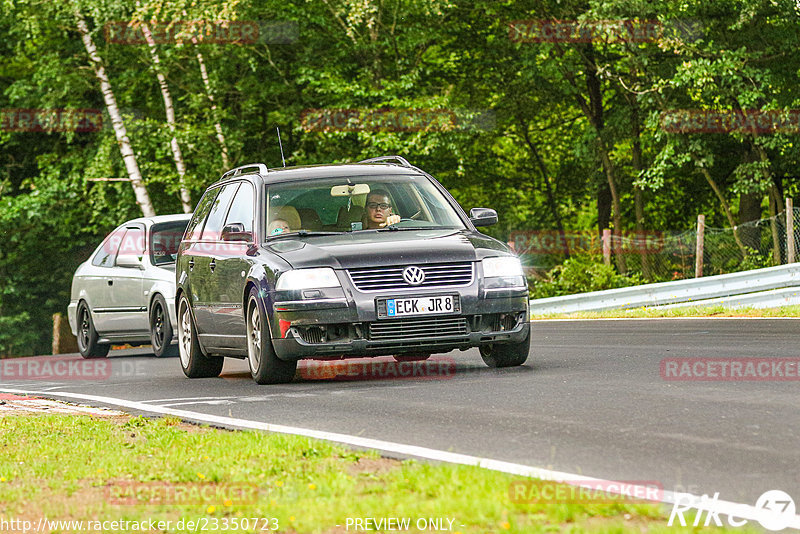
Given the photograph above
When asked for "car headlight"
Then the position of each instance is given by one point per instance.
(307, 279)
(504, 271)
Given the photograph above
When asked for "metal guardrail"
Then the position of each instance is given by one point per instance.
(680, 291)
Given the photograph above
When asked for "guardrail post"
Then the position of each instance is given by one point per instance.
(789, 231)
(607, 246)
(698, 260)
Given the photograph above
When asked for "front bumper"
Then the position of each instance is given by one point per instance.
(348, 326)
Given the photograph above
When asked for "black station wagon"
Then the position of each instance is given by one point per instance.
(342, 261)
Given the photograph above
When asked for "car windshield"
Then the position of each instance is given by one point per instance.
(165, 238)
(358, 203)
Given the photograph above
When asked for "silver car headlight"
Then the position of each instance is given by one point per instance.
(307, 279)
(503, 272)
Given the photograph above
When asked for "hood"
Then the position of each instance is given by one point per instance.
(364, 249)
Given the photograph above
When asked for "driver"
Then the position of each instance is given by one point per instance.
(379, 210)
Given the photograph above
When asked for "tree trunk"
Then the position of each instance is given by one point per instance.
(551, 200)
(750, 210)
(726, 208)
(135, 175)
(186, 199)
(209, 94)
(638, 201)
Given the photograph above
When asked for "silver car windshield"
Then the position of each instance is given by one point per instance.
(358, 203)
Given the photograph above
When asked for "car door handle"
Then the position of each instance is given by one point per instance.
(212, 265)
(191, 263)
(111, 282)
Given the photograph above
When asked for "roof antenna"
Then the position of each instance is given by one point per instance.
(281, 145)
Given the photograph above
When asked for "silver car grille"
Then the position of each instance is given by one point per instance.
(436, 275)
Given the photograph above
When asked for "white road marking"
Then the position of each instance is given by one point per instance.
(730, 509)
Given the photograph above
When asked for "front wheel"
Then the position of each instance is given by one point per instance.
(265, 366)
(88, 344)
(506, 354)
(194, 363)
(161, 329)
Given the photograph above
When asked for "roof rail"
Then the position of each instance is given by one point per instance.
(398, 159)
(262, 169)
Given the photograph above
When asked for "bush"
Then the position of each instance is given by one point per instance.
(581, 274)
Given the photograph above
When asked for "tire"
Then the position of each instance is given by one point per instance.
(411, 357)
(194, 363)
(265, 366)
(161, 331)
(506, 354)
(87, 335)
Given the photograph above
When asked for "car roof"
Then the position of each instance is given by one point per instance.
(155, 219)
(332, 171)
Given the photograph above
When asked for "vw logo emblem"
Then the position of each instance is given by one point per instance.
(413, 275)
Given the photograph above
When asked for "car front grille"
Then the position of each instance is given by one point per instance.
(436, 275)
(418, 327)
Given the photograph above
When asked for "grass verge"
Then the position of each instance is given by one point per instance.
(82, 468)
(684, 311)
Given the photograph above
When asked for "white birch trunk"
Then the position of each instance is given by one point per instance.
(217, 125)
(177, 155)
(135, 175)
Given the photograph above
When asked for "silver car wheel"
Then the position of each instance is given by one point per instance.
(254, 337)
(185, 333)
(83, 335)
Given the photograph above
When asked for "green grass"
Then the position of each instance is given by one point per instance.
(66, 467)
(683, 311)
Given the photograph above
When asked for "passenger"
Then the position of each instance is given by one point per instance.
(379, 210)
(277, 226)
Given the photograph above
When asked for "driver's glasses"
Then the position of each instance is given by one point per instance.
(375, 206)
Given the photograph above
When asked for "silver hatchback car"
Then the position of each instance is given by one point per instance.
(125, 292)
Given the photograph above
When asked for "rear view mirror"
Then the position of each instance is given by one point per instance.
(129, 260)
(349, 190)
(483, 216)
(235, 232)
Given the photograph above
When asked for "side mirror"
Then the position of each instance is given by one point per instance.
(235, 232)
(130, 260)
(483, 216)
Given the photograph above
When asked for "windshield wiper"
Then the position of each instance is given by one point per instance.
(301, 233)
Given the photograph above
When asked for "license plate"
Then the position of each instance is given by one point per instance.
(434, 305)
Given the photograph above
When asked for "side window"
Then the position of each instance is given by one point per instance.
(108, 250)
(216, 216)
(242, 208)
(200, 213)
(132, 242)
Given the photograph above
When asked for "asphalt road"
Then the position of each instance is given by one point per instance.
(591, 400)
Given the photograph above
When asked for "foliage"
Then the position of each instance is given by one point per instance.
(545, 128)
(580, 274)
